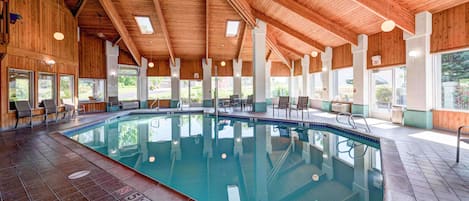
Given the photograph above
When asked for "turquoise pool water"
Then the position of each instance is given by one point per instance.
(228, 159)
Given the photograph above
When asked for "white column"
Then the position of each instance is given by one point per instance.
(326, 77)
(268, 67)
(237, 67)
(175, 68)
(259, 45)
(419, 73)
(176, 151)
(360, 171)
(329, 150)
(238, 139)
(306, 78)
(143, 83)
(260, 161)
(292, 81)
(360, 76)
(112, 65)
(207, 128)
(207, 82)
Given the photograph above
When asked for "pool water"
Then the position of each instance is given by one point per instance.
(230, 159)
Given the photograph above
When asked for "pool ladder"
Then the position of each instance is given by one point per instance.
(351, 121)
(154, 102)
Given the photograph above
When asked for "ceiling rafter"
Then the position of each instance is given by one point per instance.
(164, 29)
(242, 38)
(207, 23)
(267, 57)
(290, 31)
(119, 25)
(390, 9)
(272, 44)
(327, 24)
(289, 49)
(80, 9)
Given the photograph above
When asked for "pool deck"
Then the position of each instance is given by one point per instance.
(417, 164)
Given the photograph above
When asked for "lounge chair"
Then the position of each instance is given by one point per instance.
(50, 108)
(301, 105)
(283, 104)
(23, 109)
(234, 101)
(68, 109)
(113, 101)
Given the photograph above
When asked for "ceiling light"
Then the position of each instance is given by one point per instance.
(144, 24)
(59, 35)
(151, 64)
(50, 62)
(315, 177)
(223, 63)
(232, 28)
(388, 25)
(151, 159)
(223, 156)
(314, 54)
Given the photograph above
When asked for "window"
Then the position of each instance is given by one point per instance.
(455, 80)
(232, 28)
(317, 85)
(67, 89)
(91, 89)
(144, 24)
(279, 86)
(247, 86)
(128, 84)
(225, 87)
(343, 86)
(20, 87)
(159, 88)
(401, 85)
(46, 87)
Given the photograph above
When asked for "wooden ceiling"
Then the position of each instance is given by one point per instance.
(195, 28)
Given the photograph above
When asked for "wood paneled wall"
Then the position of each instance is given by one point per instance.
(126, 58)
(298, 70)
(342, 56)
(223, 71)
(161, 68)
(279, 69)
(32, 43)
(92, 57)
(189, 67)
(450, 29)
(315, 64)
(247, 68)
(449, 120)
(391, 47)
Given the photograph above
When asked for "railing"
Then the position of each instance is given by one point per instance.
(154, 102)
(459, 140)
(337, 117)
(351, 121)
(279, 165)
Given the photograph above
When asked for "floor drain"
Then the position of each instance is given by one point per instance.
(79, 174)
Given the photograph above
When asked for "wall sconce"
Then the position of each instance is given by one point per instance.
(196, 75)
(238, 75)
(324, 69)
(50, 62)
(175, 75)
(413, 53)
(113, 73)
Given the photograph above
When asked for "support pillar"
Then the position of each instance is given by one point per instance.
(292, 81)
(419, 74)
(306, 78)
(326, 77)
(260, 161)
(207, 128)
(259, 45)
(268, 93)
(143, 84)
(237, 67)
(112, 65)
(238, 139)
(360, 77)
(207, 83)
(176, 151)
(329, 150)
(175, 69)
(360, 171)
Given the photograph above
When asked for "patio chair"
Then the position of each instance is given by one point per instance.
(249, 101)
(113, 101)
(23, 109)
(301, 105)
(234, 101)
(50, 108)
(68, 109)
(283, 104)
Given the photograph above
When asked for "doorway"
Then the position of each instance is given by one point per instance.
(191, 93)
(388, 89)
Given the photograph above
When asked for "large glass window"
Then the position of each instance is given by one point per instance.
(20, 87)
(159, 87)
(128, 84)
(343, 86)
(225, 87)
(317, 85)
(455, 80)
(279, 86)
(247, 86)
(67, 89)
(91, 89)
(401, 85)
(46, 87)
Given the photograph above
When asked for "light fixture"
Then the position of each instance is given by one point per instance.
(324, 69)
(58, 35)
(151, 64)
(175, 75)
(175, 142)
(413, 53)
(223, 63)
(237, 75)
(388, 26)
(101, 35)
(151, 159)
(50, 62)
(325, 156)
(314, 53)
(315, 177)
(223, 156)
(238, 139)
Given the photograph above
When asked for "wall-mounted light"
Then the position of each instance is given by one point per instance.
(175, 75)
(324, 69)
(196, 75)
(237, 75)
(314, 53)
(413, 53)
(113, 73)
(223, 63)
(388, 26)
(151, 159)
(151, 64)
(223, 156)
(50, 62)
(175, 142)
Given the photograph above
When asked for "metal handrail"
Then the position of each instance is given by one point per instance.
(343, 114)
(153, 103)
(459, 139)
(279, 164)
(354, 125)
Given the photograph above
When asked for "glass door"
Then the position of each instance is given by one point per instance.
(381, 93)
(191, 93)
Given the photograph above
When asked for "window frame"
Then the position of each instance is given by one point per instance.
(94, 79)
(72, 83)
(335, 84)
(54, 87)
(171, 87)
(313, 85)
(129, 67)
(31, 86)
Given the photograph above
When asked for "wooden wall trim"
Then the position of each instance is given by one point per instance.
(223, 71)
(279, 69)
(126, 58)
(298, 68)
(342, 57)
(92, 57)
(315, 64)
(450, 29)
(246, 70)
(391, 47)
(161, 68)
(189, 68)
(449, 119)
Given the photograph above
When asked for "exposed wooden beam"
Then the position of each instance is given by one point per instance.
(164, 29)
(325, 23)
(207, 23)
(120, 28)
(116, 40)
(272, 44)
(290, 31)
(82, 5)
(244, 10)
(268, 55)
(242, 37)
(286, 47)
(390, 9)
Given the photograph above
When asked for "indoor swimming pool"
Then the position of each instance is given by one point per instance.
(230, 159)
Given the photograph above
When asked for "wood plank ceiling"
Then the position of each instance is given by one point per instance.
(189, 24)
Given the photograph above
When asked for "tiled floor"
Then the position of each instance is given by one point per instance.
(34, 165)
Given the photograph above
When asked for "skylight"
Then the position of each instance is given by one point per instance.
(232, 28)
(144, 24)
